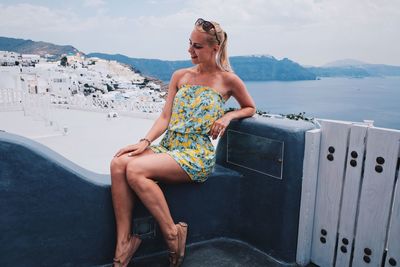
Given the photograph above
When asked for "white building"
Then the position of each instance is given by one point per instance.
(29, 60)
(9, 58)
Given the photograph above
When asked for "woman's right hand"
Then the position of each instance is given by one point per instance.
(133, 150)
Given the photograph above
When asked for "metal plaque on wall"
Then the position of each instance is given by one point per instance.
(257, 153)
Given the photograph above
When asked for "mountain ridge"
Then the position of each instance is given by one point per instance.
(254, 67)
(27, 46)
(354, 68)
(249, 68)
(344, 63)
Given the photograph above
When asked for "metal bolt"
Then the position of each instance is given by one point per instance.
(380, 160)
(367, 251)
(392, 262)
(367, 259)
(378, 168)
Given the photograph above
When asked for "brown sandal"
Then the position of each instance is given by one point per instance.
(176, 257)
(117, 262)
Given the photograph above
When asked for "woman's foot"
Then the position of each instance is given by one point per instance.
(127, 252)
(177, 245)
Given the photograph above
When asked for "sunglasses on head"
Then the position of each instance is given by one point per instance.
(207, 27)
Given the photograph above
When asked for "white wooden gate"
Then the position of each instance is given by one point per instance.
(350, 207)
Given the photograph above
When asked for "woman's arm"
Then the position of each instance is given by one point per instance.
(246, 102)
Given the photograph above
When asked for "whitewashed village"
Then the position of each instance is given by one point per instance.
(83, 108)
(80, 82)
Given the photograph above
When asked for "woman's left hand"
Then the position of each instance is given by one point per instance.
(219, 126)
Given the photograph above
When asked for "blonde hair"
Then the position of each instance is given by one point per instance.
(222, 58)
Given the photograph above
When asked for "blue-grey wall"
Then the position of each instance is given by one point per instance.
(269, 206)
(54, 213)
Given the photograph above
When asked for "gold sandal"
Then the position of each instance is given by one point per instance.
(176, 257)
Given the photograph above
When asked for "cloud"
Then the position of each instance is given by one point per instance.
(312, 32)
(309, 31)
(41, 23)
(22, 18)
(94, 3)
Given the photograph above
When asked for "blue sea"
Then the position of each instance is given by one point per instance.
(350, 99)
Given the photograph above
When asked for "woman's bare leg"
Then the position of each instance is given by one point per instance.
(141, 173)
(123, 199)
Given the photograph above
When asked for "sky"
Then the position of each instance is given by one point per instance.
(310, 32)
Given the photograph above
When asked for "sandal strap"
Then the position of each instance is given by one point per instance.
(117, 261)
(176, 257)
(183, 224)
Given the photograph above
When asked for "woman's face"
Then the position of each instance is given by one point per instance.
(199, 49)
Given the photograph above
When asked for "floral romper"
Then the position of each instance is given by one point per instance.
(194, 111)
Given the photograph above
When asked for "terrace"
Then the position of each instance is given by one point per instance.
(283, 193)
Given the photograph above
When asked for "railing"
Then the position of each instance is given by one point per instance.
(10, 99)
(41, 106)
(36, 105)
(350, 207)
(101, 104)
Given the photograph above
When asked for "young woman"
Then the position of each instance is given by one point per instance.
(192, 113)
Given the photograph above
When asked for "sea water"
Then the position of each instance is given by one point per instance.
(350, 99)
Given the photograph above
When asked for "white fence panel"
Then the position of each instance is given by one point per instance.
(332, 158)
(375, 202)
(351, 189)
(308, 192)
(393, 254)
(357, 197)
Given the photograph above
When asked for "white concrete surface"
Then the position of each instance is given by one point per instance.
(91, 140)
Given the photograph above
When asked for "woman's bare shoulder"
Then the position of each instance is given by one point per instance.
(181, 72)
(232, 80)
(182, 75)
(177, 76)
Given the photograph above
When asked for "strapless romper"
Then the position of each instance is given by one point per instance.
(194, 111)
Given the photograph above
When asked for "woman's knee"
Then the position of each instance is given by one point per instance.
(133, 169)
(118, 165)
